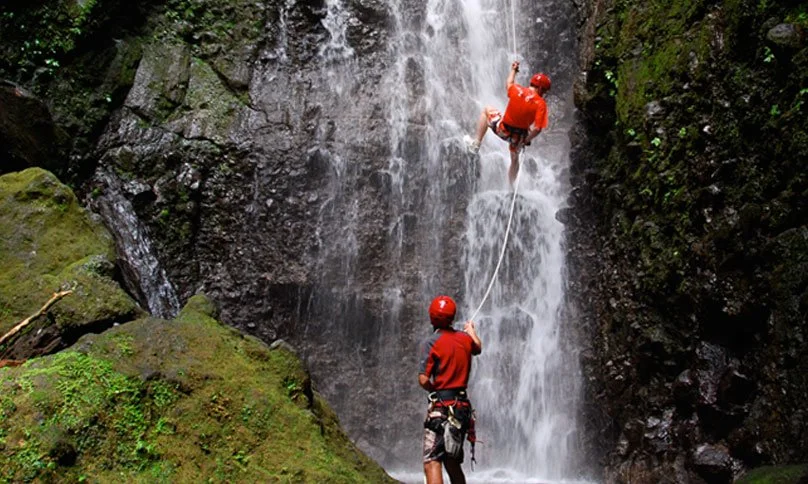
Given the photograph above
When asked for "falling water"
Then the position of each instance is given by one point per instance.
(525, 384)
(142, 271)
(424, 217)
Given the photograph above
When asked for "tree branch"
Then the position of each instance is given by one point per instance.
(25, 322)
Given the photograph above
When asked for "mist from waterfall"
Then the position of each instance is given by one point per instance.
(526, 383)
(430, 210)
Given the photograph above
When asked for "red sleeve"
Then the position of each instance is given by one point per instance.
(540, 121)
(513, 91)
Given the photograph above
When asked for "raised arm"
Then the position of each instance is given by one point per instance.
(512, 75)
(472, 331)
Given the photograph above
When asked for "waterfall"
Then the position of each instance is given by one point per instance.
(420, 216)
(142, 272)
(526, 383)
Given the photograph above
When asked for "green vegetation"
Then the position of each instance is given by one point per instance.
(680, 78)
(182, 401)
(775, 475)
(45, 34)
(48, 243)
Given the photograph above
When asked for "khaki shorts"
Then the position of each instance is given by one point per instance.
(433, 436)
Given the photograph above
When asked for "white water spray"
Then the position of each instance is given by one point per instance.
(525, 384)
(135, 250)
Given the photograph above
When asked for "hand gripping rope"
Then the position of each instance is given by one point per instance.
(513, 201)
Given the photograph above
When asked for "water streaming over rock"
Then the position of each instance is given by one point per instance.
(141, 269)
(444, 219)
(381, 95)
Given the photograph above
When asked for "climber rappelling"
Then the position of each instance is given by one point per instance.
(525, 117)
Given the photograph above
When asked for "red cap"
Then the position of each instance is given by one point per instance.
(540, 80)
(442, 311)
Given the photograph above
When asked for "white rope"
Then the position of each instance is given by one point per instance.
(513, 201)
(501, 254)
(513, 24)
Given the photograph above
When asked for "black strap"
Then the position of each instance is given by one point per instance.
(514, 130)
(452, 394)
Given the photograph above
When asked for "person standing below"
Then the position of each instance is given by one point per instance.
(445, 365)
(525, 117)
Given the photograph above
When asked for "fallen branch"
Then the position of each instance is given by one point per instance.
(25, 322)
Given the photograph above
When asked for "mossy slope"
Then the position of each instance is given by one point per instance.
(188, 400)
(48, 242)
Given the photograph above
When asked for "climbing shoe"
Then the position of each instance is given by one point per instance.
(472, 145)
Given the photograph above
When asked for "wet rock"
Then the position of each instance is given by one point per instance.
(658, 435)
(713, 462)
(735, 388)
(161, 81)
(28, 135)
(684, 389)
(564, 215)
(786, 35)
(712, 362)
(653, 110)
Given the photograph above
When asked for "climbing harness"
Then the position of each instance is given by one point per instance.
(452, 417)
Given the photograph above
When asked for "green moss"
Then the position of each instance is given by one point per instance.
(43, 233)
(775, 475)
(180, 401)
(96, 296)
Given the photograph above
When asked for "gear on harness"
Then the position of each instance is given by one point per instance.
(457, 421)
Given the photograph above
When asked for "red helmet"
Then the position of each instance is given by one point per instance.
(442, 311)
(541, 81)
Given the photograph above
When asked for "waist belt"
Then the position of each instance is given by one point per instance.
(453, 394)
(514, 130)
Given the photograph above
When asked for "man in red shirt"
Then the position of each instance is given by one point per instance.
(525, 117)
(444, 372)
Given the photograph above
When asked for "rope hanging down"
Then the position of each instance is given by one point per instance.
(513, 201)
(513, 25)
(502, 252)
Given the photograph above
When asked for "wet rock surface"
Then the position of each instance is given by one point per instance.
(681, 213)
(222, 123)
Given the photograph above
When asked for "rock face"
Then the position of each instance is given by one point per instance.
(28, 134)
(179, 401)
(688, 241)
(232, 131)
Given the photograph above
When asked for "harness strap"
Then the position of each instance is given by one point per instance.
(451, 394)
(515, 130)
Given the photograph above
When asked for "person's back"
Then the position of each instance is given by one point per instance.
(444, 370)
(447, 358)
(525, 107)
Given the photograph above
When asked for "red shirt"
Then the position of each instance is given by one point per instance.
(525, 109)
(446, 358)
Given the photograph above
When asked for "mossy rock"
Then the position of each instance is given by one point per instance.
(48, 243)
(776, 475)
(187, 400)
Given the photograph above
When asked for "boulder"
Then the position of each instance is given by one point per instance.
(187, 400)
(49, 243)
